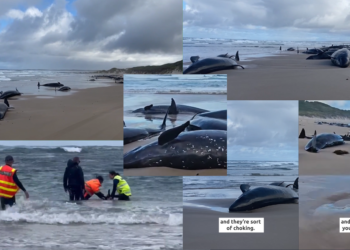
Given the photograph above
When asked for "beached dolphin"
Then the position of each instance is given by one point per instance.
(64, 88)
(135, 134)
(201, 149)
(220, 114)
(290, 49)
(9, 93)
(212, 64)
(323, 141)
(55, 84)
(341, 58)
(174, 109)
(273, 194)
(202, 123)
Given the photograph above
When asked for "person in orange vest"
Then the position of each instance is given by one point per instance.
(93, 187)
(9, 184)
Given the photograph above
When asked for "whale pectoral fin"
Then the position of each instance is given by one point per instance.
(172, 133)
(244, 187)
(173, 109)
(163, 126)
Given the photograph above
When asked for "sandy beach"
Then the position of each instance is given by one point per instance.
(201, 227)
(89, 114)
(321, 231)
(287, 77)
(165, 171)
(325, 162)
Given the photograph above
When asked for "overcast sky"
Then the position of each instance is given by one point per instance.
(263, 130)
(345, 105)
(89, 34)
(61, 143)
(294, 20)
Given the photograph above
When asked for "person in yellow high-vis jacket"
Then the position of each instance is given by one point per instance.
(119, 185)
(9, 184)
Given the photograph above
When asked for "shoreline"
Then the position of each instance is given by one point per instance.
(79, 116)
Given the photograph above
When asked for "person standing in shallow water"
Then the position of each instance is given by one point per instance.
(73, 180)
(119, 185)
(9, 184)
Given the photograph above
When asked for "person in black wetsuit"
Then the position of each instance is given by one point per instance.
(4, 171)
(73, 179)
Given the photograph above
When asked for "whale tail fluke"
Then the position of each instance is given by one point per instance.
(238, 66)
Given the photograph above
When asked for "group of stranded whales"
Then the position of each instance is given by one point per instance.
(199, 143)
(4, 107)
(272, 194)
(55, 85)
(339, 55)
(212, 64)
(321, 141)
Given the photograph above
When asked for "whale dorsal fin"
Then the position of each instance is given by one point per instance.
(194, 59)
(296, 183)
(280, 183)
(148, 107)
(244, 187)
(173, 109)
(302, 134)
(237, 56)
(172, 133)
(162, 127)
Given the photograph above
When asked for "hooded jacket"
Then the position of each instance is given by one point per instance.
(73, 176)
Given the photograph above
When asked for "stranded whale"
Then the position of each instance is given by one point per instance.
(273, 194)
(212, 64)
(201, 149)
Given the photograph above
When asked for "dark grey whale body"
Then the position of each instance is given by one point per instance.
(323, 141)
(220, 114)
(202, 149)
(212, 64)
(202, 123)
(341, 58)
(273, 194)
(64, 88)
(9, 94)
(3, 110)
(174, 109)
(55, 84)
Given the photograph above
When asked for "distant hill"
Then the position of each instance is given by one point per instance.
(322, 110)
(169, 68)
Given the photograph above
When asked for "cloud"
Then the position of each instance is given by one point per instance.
(98, 36)
(265, 128)
(316, 18)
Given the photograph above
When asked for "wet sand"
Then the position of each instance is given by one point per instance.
(165, 171)
(89, 114)
(287, 77)
(325, 162)
(201, 227)
(322, 231)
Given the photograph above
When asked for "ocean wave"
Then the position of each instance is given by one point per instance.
(72, 149)
(64, 218)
